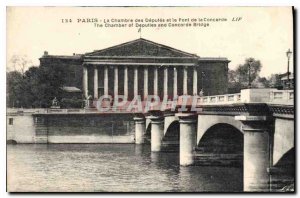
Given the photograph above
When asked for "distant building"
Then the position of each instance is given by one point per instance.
(141, 67)
(285, 81)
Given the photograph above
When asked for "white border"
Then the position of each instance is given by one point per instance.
(4, 3)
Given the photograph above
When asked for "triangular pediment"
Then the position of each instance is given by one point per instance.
(141, 48)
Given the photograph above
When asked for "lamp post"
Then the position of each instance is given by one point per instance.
(288, 54)
(249, 72)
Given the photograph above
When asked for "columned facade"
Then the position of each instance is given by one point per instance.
(155, 82)
(166, 82)
(146, 82)
(175, 92)
(105, 80)
(125, 81)
(185, 90)
(135, 68)
(85, 81)
(116, 87)
(95, 82)
(195, 81)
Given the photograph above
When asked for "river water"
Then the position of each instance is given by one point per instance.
(111, 167)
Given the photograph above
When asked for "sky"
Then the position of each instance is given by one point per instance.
(264, 33)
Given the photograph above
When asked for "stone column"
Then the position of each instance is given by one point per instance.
(140, 128)
(135, 84)
(188, 139)
(257, 159)
(116, 87)
(175, 83)
(157, 132)
(105, 80)
(145, 82)
(195, 81)
(96, 82)
(165, 81)
(155, 82)
(126, 82)
(85, 81)
(185, 90)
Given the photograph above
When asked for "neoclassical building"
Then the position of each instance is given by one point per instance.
(141, 67)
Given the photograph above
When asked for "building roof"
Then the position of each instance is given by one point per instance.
(74, 56)
(213, 59)
(141, 48)
(285, 76)
(138, 51)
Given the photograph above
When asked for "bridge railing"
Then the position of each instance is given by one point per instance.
(272, 96)
(265, 95)
(282, 96)
(219, 99)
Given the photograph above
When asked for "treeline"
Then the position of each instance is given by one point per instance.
(239, 78)
(34, 88)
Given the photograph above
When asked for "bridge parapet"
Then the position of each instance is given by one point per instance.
(271, 96)
(282, 96)
(219, 99)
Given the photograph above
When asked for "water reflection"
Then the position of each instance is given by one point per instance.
(111, 167)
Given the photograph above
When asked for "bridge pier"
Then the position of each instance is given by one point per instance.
(257, 158)
(139, 129)
(157, 132)
(188, 130)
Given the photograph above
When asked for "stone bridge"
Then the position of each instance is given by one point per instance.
(264, 118)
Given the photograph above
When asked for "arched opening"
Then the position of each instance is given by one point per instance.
(222, 144)
(148, 134)
(287, 161)
(171, 138)
(283, 172)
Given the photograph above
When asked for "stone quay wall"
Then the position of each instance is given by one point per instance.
(26, 127)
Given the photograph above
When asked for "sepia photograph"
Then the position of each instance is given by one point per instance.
(150, 99)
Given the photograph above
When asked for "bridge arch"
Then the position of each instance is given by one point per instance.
(284, 170)
(169, 121)
(205, 122)
(287, 160)
(222, 138)
(147, 134)
(172, 132)
(283, 138)
(148, 124)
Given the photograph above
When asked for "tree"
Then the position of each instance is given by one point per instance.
(243, 71)
(275, 81)
(261, 82)
(19, 63)
(239, 78)
(14, 88)
(51, 80)
(36, 87)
